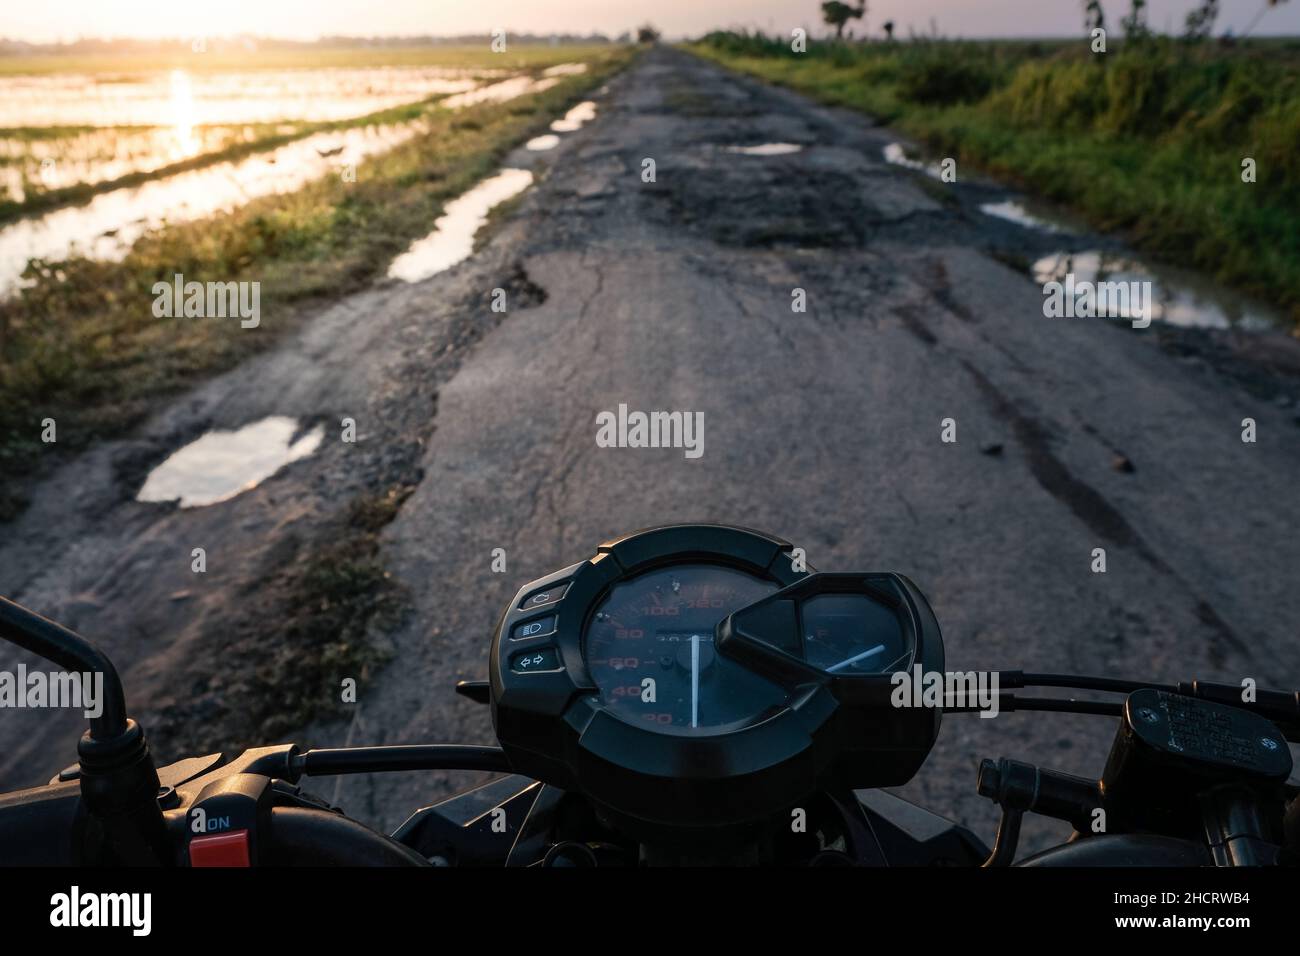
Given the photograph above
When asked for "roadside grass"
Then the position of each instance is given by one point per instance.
(286, 646)
(331, 599)
(1147, 140)
(32, 134)
(81, 344)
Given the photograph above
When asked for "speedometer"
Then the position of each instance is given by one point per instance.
(650, 649)
(701, 675)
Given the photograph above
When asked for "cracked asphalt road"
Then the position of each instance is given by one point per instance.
(822, 427)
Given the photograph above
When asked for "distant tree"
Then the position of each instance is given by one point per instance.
(1200, 22)
(647, 34)
(1094, 18)
(838, 14)
(1268, 5)
(1135, 24)
(888, 27)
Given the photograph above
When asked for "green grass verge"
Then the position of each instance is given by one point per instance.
(1148, 139)
(332, 598)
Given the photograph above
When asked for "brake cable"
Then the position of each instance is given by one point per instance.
(1280, 707)
(341, 760)
(1010, 702)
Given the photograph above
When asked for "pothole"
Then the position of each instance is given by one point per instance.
(573, 120)
(222, 464)
(896, 154)
(766, 149)
(1013, 211)
(758, 204)
(1179, 297)
(452, 239)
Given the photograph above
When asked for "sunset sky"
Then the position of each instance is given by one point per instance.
(307, 19)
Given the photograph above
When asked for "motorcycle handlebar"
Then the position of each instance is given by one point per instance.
(70, 650)
(304, 837)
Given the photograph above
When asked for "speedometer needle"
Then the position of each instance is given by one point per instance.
(856, 657)
(695, 680)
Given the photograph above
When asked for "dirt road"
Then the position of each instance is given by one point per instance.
(822, 426)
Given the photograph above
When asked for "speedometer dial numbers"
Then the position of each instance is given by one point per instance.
(650, 650)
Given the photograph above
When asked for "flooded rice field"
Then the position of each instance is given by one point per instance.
(181, 97)
(30, 166)
(108, 226)
(62, 131)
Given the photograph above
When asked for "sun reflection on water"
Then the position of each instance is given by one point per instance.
(183, 115)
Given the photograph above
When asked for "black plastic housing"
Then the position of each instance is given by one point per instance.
(1169, 748)
(869, 742)
(833, 732)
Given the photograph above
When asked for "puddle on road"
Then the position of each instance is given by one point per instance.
(1013, 211)
(1180, 297)
(766, 149)
(222, 464)
(452, 239)
(565, 69)
(573, 120)
(895, 154)
(499, 92)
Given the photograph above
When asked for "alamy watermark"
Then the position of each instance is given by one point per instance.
(964, 690)
(624, 429)
(1085, 299)
(133, 911)
(23, 688)
(208, 300)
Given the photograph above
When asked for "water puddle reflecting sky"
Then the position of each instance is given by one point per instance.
(1180, 297)
(896, 155)
(1016, 212)
(565, 69)
(222, 464)
(452, 239)
(499, 92)
(573, 120)
(766, 149)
